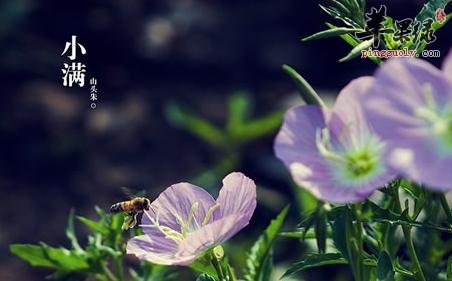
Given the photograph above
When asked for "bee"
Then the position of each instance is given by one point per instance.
(132, 208)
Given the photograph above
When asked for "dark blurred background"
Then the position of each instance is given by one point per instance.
(57, 153)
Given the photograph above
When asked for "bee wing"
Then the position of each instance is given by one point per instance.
(132, 194)
(128, 192)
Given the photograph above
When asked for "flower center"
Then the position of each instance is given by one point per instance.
(358, 159)
(187, 226)
(439, 119)
(360, 163)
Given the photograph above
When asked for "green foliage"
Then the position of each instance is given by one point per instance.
(356, 51)
(352, 14)
(239, 128)
(104, 250)
(203, 264)
(259, 259)
(315, 260)
(205, 277)
(332, 33)
(45, 256)
(181, 117)
(385, 270)
(318, 220)
(366, 237)
(152, 272)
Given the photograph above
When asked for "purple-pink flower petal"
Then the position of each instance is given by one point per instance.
(185, 220)
(237, 196)
(447, 66)
(160, 251)
(176, 202)
(410, 107)
(213, 234)
(334, 153)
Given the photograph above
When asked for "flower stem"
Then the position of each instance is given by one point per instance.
(119, 269)
(359, 237)
(419, 274)
(108, 273)
(216, 264)
(409, 241)
(446, 208)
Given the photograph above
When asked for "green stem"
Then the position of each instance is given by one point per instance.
(446, 208)
(409, 242)
(359, 231)
(108, 273)
(231, 273)
(417, 269)
(386, 229)
(119, 269)
(216, 264)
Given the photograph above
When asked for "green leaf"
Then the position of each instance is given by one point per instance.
(339, 233)
(373, 212)
(267, 268)
(65, 259)
(46, 256)
(331, 33)
(385, 270)
(257, 128)
(306, 91)
(356, 51)
(301, 233)
(256, 259)
(70, 233)
(333, 12)
(204, 265)
(315, 260)
(239, 109)
(411, 188)
(201, 128)
(94, 226)
(352, 41)
(33, 254)
(205, 277)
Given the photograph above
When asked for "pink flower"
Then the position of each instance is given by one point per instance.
(185, 220)
(334, 153)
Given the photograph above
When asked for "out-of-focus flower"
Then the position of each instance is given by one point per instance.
(334, 153)
(185, 220)
(410, 107)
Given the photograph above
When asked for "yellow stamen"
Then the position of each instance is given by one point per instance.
(191, 216)
(210, 213)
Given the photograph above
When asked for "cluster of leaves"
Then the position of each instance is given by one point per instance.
(239, 130)
(352, 13)
(102, 258)
(366, 236)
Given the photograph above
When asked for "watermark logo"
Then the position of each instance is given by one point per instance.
(402, 32)
(74, 71)
(374, 26)
(440, 16)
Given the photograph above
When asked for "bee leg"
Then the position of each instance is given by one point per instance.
(134, 220)
(129, 221)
